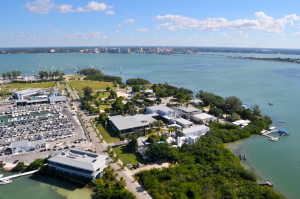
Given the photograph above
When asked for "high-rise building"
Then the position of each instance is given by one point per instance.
(126, 50)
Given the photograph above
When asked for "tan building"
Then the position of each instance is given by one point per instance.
(52, 51)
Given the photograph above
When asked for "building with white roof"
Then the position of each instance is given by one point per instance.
(78, 163)
(27, 93)
(195, 131)
(241, 122)
(24, 146)
(148, 91)
(183, 122)
(131, 123)
(162, 110)
(204, 117)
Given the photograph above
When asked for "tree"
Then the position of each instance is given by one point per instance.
(112, 95)
(88, 91)
(20, 166)
(108, 88)
(108, 148)
(234, 117)
(4, 75)
(8, 74)
(233, 102)
(206, 97)
(98, 93)
(136, 88)
(256, 110)
(133, 145)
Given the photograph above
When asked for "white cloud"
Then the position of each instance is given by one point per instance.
(71, 18)
(22, 32)
(40, 7)
(261, 22)
(110, 12)
(246, 36)
(117, 31)
(89, 35)
(225, 35)
(156, 33)
(64, 8)
(55, 30)
(119, 26)
(110, 7)
(295, 33)
(129, 21)
(239, 32)
(142, 30)
(189, 39)
(90, 7)
(49, 25)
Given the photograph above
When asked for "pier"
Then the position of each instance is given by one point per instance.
(19, 175)
(266, 182)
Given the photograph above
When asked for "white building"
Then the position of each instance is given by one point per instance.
(241, 122)
(195, 131)
(204, 117)
(27, 93)
(126, 50)
(148, 91)
(78, 163)
(183, 122)
(162, 110)
(24, 146)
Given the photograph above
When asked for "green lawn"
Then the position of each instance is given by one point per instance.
(76, 76)
(104, 106)
(109, 135)
(154, 132)
(126, 155)
(22, 86)
(78, 85)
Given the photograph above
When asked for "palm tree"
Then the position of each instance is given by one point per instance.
(108, 148)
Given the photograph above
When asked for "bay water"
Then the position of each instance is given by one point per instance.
(254, 82)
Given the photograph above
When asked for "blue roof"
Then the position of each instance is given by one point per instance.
(244, 103)
(283, 130)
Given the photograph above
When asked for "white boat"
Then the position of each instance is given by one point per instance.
(5, 181)
(1, 175)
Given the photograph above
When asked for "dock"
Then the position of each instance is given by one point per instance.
(266, 182)
(19, 175)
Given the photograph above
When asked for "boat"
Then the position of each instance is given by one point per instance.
(5, 181)
(1, 175)
(281, 121)
(271, 104)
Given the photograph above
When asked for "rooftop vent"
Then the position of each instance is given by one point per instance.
(84, 156)
(144, 121)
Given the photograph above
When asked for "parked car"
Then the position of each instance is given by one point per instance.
(73, 146)
(16, 161)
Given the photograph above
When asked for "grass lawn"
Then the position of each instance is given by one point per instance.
(22, 86)
(154, 132)
(126, 155)
(104, 106)
(109, 135)
(148, 85)
(95, 85)
(76, 76)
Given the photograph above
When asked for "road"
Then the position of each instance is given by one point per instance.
(100, 148)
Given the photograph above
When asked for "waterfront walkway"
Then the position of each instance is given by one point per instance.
(19, 175)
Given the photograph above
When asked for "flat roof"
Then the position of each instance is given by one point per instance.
(241, 122)
(27, 91)
(57, 97)
(34, 143)
(204, 116)
(196, 129)
(183, 121)
(38, 100)
(79, 159)
(128, 122)
(19, 143)
(188, 109)
(163, 108)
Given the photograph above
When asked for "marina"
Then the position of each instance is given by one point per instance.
(7, 180)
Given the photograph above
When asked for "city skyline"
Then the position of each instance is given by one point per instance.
(43, 23)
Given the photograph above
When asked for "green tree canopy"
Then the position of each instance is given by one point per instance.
(87, 90)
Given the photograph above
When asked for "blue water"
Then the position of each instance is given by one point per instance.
(254, 82)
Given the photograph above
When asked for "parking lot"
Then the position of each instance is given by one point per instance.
(60, 129)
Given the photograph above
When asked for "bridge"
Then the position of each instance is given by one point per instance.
(266, 182)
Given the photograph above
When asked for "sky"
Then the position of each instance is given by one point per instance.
(231, 23)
